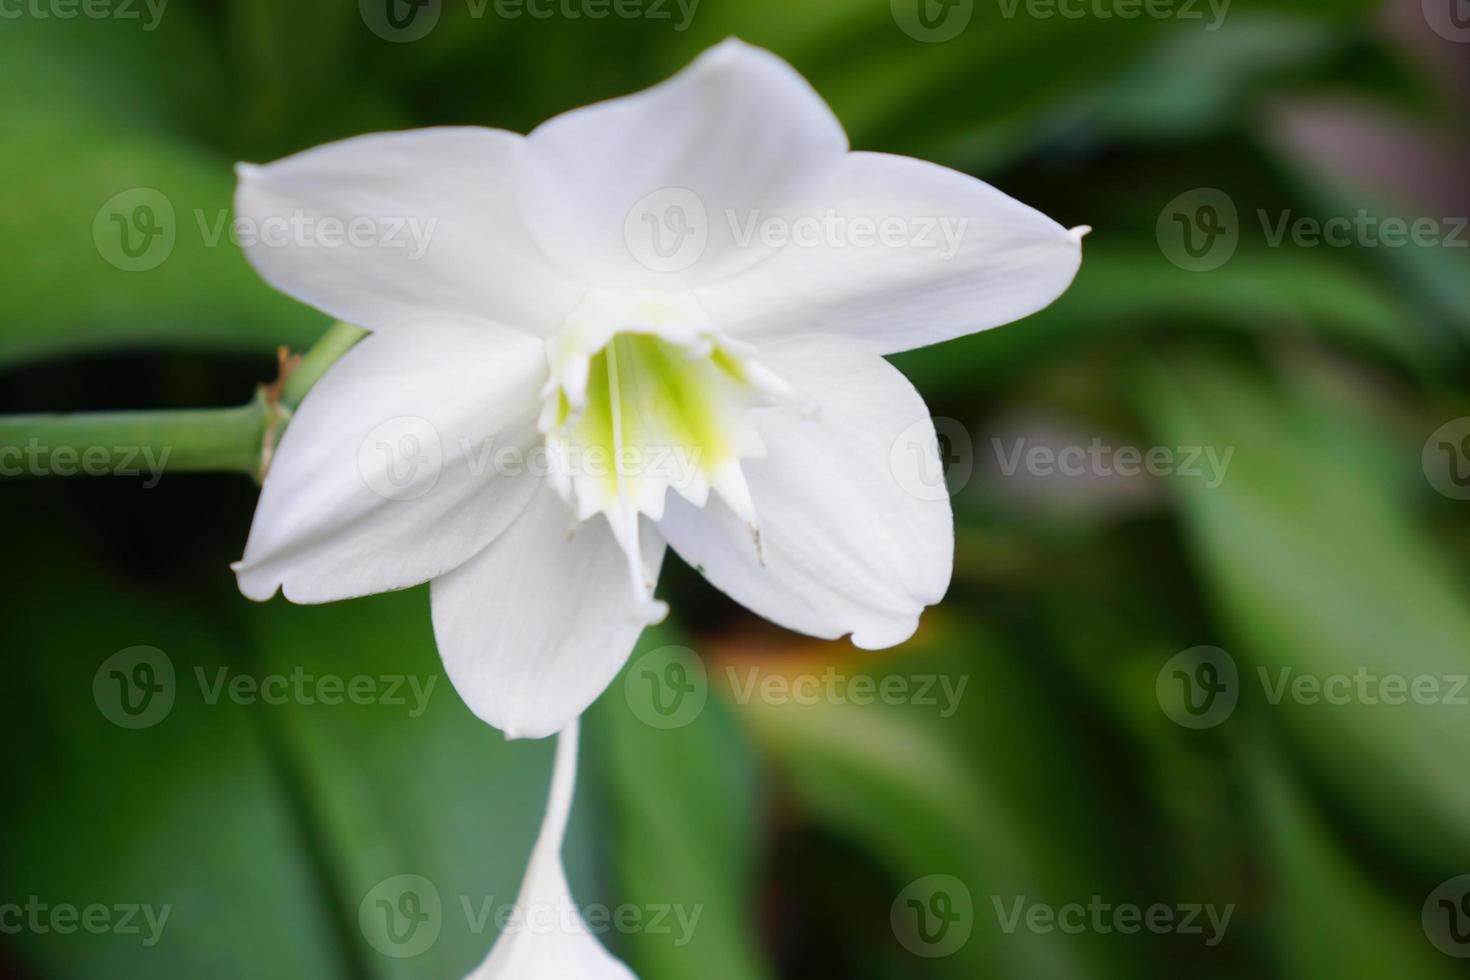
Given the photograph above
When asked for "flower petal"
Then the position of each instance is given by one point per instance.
(851, 540)
(385, 476)
(902, 254)
(534, 627)
(380, 229)
(635, 191)
(546, 939)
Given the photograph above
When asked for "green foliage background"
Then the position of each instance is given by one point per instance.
(794, 827)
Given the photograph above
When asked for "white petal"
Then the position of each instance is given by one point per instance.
(538, 624)
(400, 226)
(852, 541)
(386, 476)
(737, 131)
(547, 939)
(902, 254)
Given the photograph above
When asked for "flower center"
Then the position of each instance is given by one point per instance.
(646, 397)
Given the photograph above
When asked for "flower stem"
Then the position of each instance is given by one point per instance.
(149, 443)
(339, 338)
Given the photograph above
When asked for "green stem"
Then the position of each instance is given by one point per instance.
(133, 443)
(338, 339)
(218, 440)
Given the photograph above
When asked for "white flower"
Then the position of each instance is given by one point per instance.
(546, 938)
(690, 290)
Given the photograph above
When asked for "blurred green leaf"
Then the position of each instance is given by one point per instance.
(389, 792)
(981, 795)
(68, 284)
(188, 816)
(1328, 918)
(684, 827)
(1318, 572)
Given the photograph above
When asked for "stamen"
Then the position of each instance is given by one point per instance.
(666, 409)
